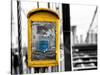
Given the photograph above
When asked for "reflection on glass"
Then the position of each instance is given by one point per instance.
(43, 41)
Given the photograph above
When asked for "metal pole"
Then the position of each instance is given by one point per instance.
(66, 38)
(19, 36)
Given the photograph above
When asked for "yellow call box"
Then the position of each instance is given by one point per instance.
(43, 38)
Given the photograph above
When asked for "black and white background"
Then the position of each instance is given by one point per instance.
(5, 37)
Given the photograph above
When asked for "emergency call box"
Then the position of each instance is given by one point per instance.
(43, 38)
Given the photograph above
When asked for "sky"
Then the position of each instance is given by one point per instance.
(81, 16)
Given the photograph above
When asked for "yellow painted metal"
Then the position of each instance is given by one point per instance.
(43, 15)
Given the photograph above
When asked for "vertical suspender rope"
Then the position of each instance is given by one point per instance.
(11, 33)
(48, 5)
(37, 4)
(19, 37)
